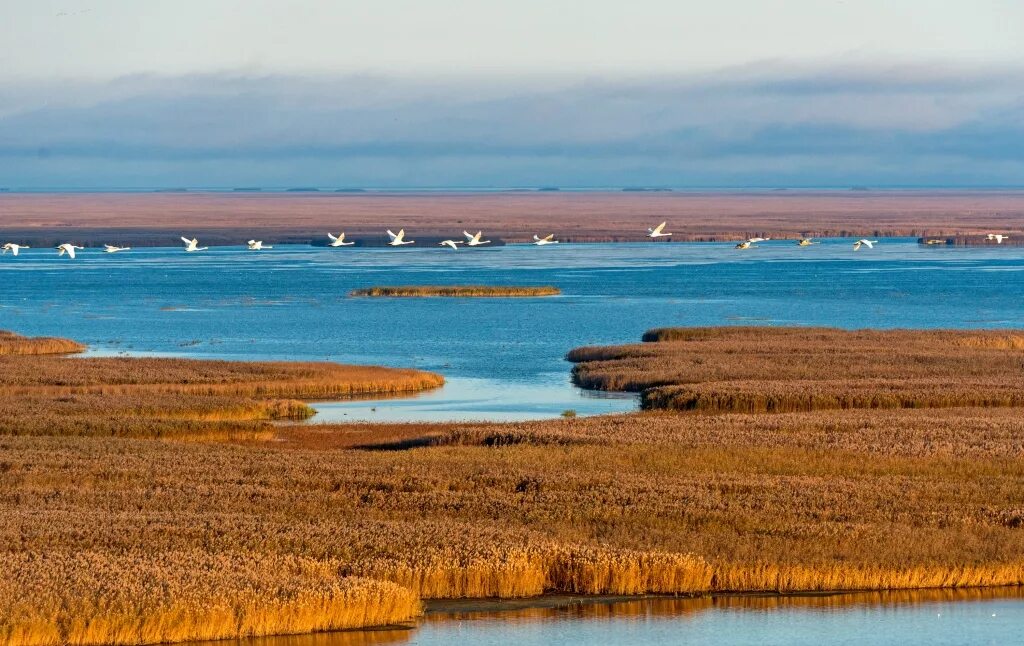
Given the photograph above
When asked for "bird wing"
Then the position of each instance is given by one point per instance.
(187, 241)
(469, 236)
(391, 235)
(71, 250)
(659, 228)
(331, 236)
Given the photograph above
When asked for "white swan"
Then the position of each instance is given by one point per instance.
(14, 248)
(257, 245)
(474, 240)
(109, 248)
(540, 242)
(192, 245)
(870, 244)
(746, 244)
(67, 248)
(339, 241)
(451, 243)
(658, 231)
(806, 242)
(756, 240)
(398, 239)
(998, 237)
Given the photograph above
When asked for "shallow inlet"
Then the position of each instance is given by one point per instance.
(464, 399)
(936, 618)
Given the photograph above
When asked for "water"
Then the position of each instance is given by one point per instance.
(953, 617)
(504, 357)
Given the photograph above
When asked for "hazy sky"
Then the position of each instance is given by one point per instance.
(395, 92)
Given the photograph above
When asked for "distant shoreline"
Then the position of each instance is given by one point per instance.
(304, 217)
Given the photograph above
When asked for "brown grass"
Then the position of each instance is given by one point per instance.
(176, 398)
(15, 344)
(460, 291)
(95, 598)
(754, 370)
(852, 499)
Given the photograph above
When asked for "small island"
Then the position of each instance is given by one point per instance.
(458, 291)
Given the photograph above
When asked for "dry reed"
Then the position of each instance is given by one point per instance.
(95, 598)
(458, 291)
(41, 395)
(755, 370)
(15, 344)
(647, 502)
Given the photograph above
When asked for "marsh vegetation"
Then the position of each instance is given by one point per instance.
(124, 539)
(165, 398)
(765, 369)
(458, 291)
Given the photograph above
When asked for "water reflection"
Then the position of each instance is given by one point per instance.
(992, 615)
(464, 399)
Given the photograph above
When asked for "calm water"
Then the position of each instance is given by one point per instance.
(503, 356)
(882, 619)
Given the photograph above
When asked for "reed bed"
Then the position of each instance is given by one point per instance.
(652, 502)
(754, 370)
(95, 598)
(176, 398)
(15, 344)
(458, 291)
(107, 538)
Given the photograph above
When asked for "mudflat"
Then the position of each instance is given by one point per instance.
(232, 218)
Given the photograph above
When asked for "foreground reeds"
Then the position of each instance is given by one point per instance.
(754, 370)
(458, 291)
(120, 538)
(95, 598)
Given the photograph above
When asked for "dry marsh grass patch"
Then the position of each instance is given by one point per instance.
(764, 369)
(177, 398)
(649, 502)
(457, 291)
(97, 598)
(15, 344)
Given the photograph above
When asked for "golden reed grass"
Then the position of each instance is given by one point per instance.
(95, 598)
(458, 291)
(753, 370)
(167, 398)
(15, 344)
(649, 502)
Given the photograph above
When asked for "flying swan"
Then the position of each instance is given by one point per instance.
(658, 231)
(339, 241)
(67, 248)
(109, 248)
(192, 245)
(451, 243)
(870, 244)
(540, 242)
(14, 248)
(474, 240)
(398, 239)
(257, 245)
(998, 237)
(806, 242)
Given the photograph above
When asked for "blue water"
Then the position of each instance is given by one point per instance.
(948, 618)
(504, 356)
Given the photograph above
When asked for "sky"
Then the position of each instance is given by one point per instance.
(448, 93)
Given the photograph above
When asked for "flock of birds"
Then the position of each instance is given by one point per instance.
(471, 240)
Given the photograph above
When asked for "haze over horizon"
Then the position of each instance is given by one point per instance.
(113, 93)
